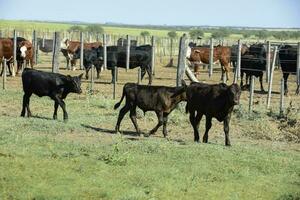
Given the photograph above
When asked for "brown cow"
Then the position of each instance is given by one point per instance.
(26, 52)
(6, 51)
(199, 55)
(72, 46)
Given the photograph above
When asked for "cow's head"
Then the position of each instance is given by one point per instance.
(180, 93)
(234, 93)
(75, 83)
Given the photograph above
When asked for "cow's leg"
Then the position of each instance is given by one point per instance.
(149, 72)
(207, 127)
(26, 99)
(87, 70)
(122, 113)
(298, 89)
(165, 121)
(113, 75)
(68, 63)
(160, 122)
(143, 72)
(98, 68)
(55, 110)
(62, 104)
(9, 68)
(285, 77)
(226, 130)
(195, 121)
(242, 76)
(261, 83)
(133, 119)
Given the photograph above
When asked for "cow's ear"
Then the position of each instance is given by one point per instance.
(80, 76)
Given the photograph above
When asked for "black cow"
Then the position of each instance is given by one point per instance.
(234, 53)
(45, 45)
(140, 56)
(253, 63)
(160, 99)
(288, 63)
(56, 86)
(90, 57)
(212, 101)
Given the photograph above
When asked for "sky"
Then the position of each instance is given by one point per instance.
(253, 13)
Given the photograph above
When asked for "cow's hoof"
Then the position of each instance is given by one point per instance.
(66, 120)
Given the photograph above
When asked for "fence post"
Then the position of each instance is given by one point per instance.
(298, 65)
(238, 61)
(281, 108)
(153, 55)
(268, 66)
(211, 57)
(81, 50)
(15, 54)
(115, 81)
(127, 52)
(271, 77)
(56, 50)
(251, 94)
(4, 73)
(104, 51)
(181, 60)
(34, 44)
(139, 75)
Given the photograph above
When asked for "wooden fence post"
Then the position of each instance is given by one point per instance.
(211, 57)
(15, 54)
(127, 52)
(251, 94)
(81, 50)
(268, 66)
(238, 61)
(34, 44)
(181, 60)
(281, 108)
(4, 73)
(298, 65)
(271, 77)
(104, 52)
(153, 55)
(114, 81)
(56, 50)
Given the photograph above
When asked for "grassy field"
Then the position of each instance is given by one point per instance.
(83, 159)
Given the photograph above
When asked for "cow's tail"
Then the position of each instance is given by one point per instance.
(117, 105)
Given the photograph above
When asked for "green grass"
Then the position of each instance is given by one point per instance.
(45, 159)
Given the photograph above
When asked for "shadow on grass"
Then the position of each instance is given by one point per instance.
(130, 133)
(41, 117)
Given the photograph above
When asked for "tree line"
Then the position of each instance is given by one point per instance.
(216, 33)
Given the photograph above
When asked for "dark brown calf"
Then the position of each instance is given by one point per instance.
(212, 101)
(160, 99)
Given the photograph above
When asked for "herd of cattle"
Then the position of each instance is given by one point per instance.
(213, 101)
(253, 58)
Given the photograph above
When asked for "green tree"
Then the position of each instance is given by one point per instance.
(145, 34)
(194, 34)
(75, 28)
(247, 34)
(172, 34)
(220, 33)
(94, 28)
(263, 34)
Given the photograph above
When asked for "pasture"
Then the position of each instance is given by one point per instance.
(83, 159)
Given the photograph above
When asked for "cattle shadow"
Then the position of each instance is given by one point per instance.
(98, 129)
(41, 117)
